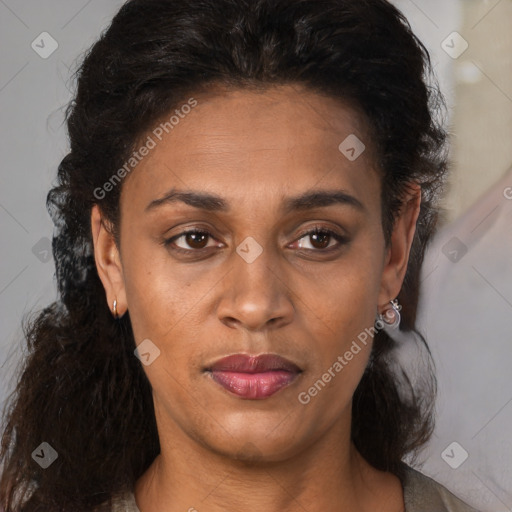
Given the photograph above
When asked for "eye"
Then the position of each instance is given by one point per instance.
(319, 239)
(195, 239)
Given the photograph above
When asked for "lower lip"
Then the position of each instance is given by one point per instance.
(253, 386)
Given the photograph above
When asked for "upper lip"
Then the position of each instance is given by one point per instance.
(246, 363)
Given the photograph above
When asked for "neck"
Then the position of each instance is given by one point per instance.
(330, 474)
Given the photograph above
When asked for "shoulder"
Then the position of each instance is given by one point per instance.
(423, 494)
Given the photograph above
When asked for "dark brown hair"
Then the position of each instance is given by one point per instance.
(80, 387)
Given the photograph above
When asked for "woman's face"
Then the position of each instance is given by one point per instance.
(260, 172)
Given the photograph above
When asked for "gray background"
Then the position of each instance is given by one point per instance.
(467, 275)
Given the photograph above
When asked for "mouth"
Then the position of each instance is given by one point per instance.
(253, 377)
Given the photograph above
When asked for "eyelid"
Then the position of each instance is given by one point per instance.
(322, 229)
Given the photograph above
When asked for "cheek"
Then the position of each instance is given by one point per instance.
(343, 327)
(158, 295)
(344, 305)
(345, 296)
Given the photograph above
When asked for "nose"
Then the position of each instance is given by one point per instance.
(255, 295)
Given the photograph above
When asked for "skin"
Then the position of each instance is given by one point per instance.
(218, 451)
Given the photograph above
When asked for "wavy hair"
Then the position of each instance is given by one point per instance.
(80, 388)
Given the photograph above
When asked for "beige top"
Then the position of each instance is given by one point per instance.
(421, 494)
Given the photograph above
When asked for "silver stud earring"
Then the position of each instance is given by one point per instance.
(390, 317)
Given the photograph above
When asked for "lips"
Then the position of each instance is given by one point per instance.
(253, 377)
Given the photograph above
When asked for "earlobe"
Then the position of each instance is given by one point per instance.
(108, 263)
(397, 256)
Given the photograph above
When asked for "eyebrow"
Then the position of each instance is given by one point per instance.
(215, 203)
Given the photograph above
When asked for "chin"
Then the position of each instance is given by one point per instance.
(257, 448)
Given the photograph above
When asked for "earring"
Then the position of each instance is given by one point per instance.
(390, 317)
(114, 309)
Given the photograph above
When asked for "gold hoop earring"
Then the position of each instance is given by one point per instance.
(114, 309)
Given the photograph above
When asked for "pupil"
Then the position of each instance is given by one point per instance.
(325, 238)
(193, 239)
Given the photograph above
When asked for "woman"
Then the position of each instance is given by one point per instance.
(242, 219)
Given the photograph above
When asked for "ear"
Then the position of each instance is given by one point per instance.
(397, 256)
(108, 261)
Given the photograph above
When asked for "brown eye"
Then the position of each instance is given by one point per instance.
(320, 239)
(196, 240)
(192, 240)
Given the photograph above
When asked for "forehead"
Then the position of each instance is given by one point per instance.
(281, 140)
(280, 117)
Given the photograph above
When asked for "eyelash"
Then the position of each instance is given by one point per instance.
(341, 239)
